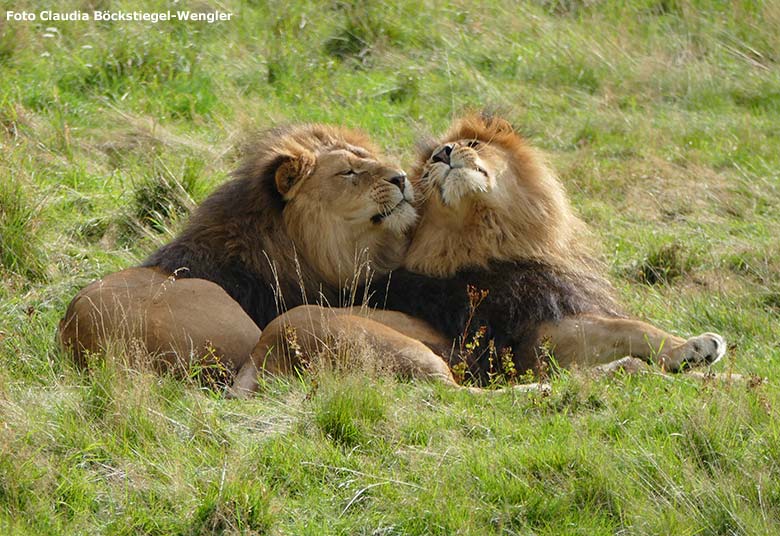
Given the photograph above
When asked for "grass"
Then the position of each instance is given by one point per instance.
(662, 118)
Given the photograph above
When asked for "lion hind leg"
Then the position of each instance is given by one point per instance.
(311, 333)
(180, 326)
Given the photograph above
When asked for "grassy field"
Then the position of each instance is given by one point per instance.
(663, 118)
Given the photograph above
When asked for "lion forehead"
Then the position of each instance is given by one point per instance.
(373, 171)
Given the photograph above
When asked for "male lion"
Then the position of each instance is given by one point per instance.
(498, 256)
(497, 219)
(302, 215)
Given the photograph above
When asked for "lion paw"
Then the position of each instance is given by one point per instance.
(705, 349)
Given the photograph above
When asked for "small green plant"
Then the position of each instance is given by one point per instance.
(20, 247)
(664, 265)
(158, 198)
(771, 301)
(347, 409)
(508, 365)
(544, 361)
(473, 350)
(240, 506)
(353, 41)
(357, 36)
(469, 344)
(209, 372)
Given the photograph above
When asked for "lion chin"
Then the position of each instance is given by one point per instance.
(311, 210)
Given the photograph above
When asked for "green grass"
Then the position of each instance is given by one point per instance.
(660, 115)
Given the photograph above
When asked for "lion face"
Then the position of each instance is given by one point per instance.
(462, 169)
(344, 204)
(487, 195)
(357, 189)
(472, 175)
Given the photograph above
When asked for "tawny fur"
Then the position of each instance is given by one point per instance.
(496, 218)
(532, 220)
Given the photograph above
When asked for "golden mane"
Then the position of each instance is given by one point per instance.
(526, 217)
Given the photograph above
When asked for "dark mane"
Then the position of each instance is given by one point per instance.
(520, 296)
(211, 248)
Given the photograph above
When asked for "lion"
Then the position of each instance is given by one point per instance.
(310, 207)
(499, 268)
(497, 219)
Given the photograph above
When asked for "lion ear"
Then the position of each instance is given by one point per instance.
(291, 170)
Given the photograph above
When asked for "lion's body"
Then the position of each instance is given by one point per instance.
(227, 243)
(521, 296)
(270, 253)
(308, 209)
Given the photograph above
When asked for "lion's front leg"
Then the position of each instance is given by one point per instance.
(704, 349)
(595, 340)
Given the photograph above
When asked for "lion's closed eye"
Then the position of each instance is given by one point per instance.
(349, 174)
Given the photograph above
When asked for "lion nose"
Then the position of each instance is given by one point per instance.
(443, 155)
(398, 180)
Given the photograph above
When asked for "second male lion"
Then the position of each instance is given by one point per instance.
(496, 218)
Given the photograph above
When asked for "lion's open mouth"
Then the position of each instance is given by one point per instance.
(381, 216)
